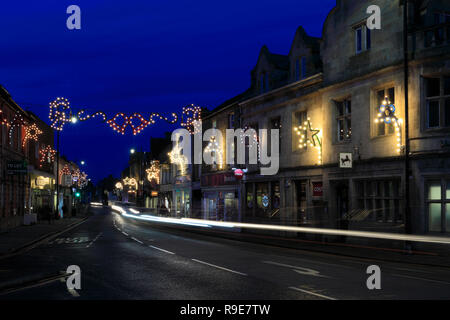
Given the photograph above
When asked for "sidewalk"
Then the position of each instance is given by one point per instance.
(24, 236)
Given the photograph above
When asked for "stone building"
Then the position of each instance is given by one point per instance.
(342, 163)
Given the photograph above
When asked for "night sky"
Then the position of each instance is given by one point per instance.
(139, 56)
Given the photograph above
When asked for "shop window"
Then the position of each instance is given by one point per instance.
(344, 120)
(378, 201)
(231, 120)
(438, 205)
(437, 96)
(382, 128)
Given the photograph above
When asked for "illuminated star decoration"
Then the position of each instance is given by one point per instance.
(153, 172)
(309, 136)
(214, 148)
(46, 154)
(31, 133)
(386, 114)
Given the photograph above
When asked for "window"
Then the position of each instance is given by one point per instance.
(303, 67)
(438, 205)
(297, 69)
(382, 128)
(275, 123)
(437, 96)
(299, 120)
(363, 39)
(231, 121)
(344, 119)
(378, 201)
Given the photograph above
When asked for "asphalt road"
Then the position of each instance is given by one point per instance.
(123, 259)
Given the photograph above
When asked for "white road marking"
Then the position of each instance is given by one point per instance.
(137, 240)
(161, 250)
(300, 270)
(312, 293)
(95, 239)
(219, 267)
(423, 279)
(125, 233)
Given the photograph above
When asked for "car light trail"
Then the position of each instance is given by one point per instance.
(334, 232)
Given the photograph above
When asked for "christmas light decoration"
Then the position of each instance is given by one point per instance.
(386, 114)
(178, 159)
(153, 172)
(193, 118)
(82, 117)
(60, 113)
(309, 136)
(119, 186)
(213, 147)
(16, 122)
(31, 133)
(46, 154)
(130, 182)
(65, 171)
(252, 144)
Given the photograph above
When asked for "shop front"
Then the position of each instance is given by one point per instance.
(42, 194)
(220, 197)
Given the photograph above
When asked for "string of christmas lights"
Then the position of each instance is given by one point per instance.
(193, 120)
(177, 158)
(309, 136)
(130, 182)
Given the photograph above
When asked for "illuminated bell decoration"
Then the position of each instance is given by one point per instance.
(153, 172)
(31, 133)
(309, 137)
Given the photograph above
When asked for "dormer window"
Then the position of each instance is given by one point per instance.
(363, 38)
(264, 83)
(300, 68)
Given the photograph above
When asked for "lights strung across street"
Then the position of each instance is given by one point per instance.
(61, 113)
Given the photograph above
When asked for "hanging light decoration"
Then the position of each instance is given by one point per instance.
(130, 182)
(214, 148)
(46, 154)
(386, 114)
(153, 172)
(16, 122)
(119, 186)
(309, 137)
(60, 113)
(178, 159)
(31, 133)
(193, 120)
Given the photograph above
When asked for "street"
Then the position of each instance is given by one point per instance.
(125, 259)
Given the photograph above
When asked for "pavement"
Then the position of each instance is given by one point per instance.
(24, 236)
(125, 259)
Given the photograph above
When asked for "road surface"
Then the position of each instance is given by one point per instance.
(125, 259)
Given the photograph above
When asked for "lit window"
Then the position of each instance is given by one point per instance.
(438, 203)
(383, 128)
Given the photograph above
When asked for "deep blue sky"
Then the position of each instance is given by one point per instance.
(139, 56)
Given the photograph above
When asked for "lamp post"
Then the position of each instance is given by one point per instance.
(408, 226)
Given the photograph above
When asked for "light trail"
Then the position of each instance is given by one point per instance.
(333, 232)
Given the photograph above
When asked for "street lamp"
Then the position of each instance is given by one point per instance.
(83, 163)
(132, 151)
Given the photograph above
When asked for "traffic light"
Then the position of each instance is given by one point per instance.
(77, 194)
